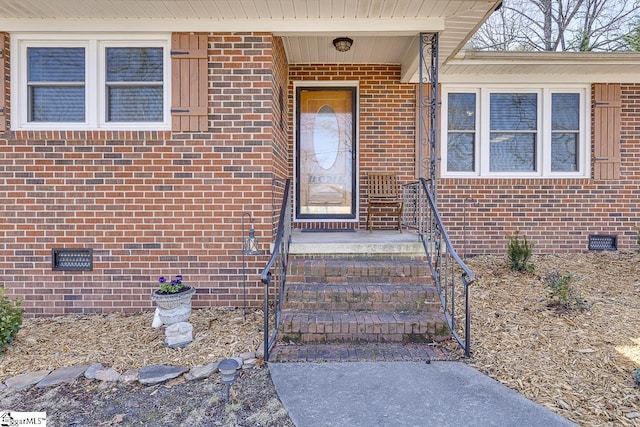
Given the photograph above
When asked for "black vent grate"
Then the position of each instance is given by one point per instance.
(600, 242)
(72, 259)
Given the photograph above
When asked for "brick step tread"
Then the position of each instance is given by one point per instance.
(348, 297)
(305, 326)
(342, 270)
(358, 352)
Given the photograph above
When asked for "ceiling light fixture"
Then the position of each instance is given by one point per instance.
(342, 44)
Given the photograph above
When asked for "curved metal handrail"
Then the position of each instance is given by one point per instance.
(443, 260)
(445, 236)
(280, 252)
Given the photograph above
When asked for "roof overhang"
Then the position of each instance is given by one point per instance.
(384, 31)
(549, 67)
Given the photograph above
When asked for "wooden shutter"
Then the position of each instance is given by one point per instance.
(3, 88)
(189, 83)
(606, 131)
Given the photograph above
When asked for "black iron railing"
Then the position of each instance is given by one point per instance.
(275, 271)
(450, 274)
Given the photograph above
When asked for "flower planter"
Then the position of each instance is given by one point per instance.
(174, 308)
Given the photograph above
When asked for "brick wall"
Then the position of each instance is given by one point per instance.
(386, 121)
(148, 203)
(556, 215)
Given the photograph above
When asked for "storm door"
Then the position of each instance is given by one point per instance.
(326, 153)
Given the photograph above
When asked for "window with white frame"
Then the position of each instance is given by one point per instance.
(90, 82)
(515, 132)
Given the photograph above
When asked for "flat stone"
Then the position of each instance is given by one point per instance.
(248, 355)
(90, 373)
(239, 360)
(632, 415)
(62, 375)
(159, 373)
(107, 374)
(129, 376)
(260, 351)
(26, 380)
(201, 372)
(250, 363)
(2, 386)
(178, 335)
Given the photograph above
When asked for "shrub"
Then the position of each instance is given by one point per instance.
(519, 253)
(10, 319)
(562, 289)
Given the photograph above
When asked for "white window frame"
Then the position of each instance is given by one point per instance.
(544, 131)
(95, 74)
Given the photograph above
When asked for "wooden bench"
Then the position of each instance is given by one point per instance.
(383, 192)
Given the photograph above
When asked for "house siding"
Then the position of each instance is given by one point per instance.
(147, 203)
(163, 203)
(556, 215)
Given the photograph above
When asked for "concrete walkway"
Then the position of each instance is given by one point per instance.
(369, 394)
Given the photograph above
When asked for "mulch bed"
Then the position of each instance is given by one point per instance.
(577, 362)
(124, 342)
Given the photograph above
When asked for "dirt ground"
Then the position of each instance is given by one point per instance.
(253, 402)
(576, 362)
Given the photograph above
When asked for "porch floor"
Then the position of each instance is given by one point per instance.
(378, 242)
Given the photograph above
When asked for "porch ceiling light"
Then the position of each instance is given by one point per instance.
(342, 44)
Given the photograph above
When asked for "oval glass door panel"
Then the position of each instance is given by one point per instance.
(326, 137)
(325, 156)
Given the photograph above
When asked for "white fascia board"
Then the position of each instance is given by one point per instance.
(388, 27)
(541, 78)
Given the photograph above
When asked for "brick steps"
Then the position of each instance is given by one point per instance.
(360, 299)
(326, 326)
(357, 270)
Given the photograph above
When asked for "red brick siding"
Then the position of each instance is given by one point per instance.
(386, 120)
(281, 130)
(148, 203)
(556, 215)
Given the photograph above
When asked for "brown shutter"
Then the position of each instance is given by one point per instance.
(189, 83)
(3, 88)
(606, 131)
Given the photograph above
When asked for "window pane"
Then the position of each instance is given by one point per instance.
(462, 111)
(56, 104)
(55, 64)
(512, 152)
(514, 111)
(460, 152)
(134, 64)
(565, 111)
(134, 104)
(564, 152)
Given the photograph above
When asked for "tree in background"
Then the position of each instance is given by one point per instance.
(633, 38)
(560, 25)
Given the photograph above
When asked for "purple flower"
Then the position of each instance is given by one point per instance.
(162, 280)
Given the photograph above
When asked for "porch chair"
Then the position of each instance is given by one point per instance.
(383, 192)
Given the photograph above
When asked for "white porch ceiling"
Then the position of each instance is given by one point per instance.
(384, 31)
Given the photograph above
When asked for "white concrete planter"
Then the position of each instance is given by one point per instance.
(174, 308)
